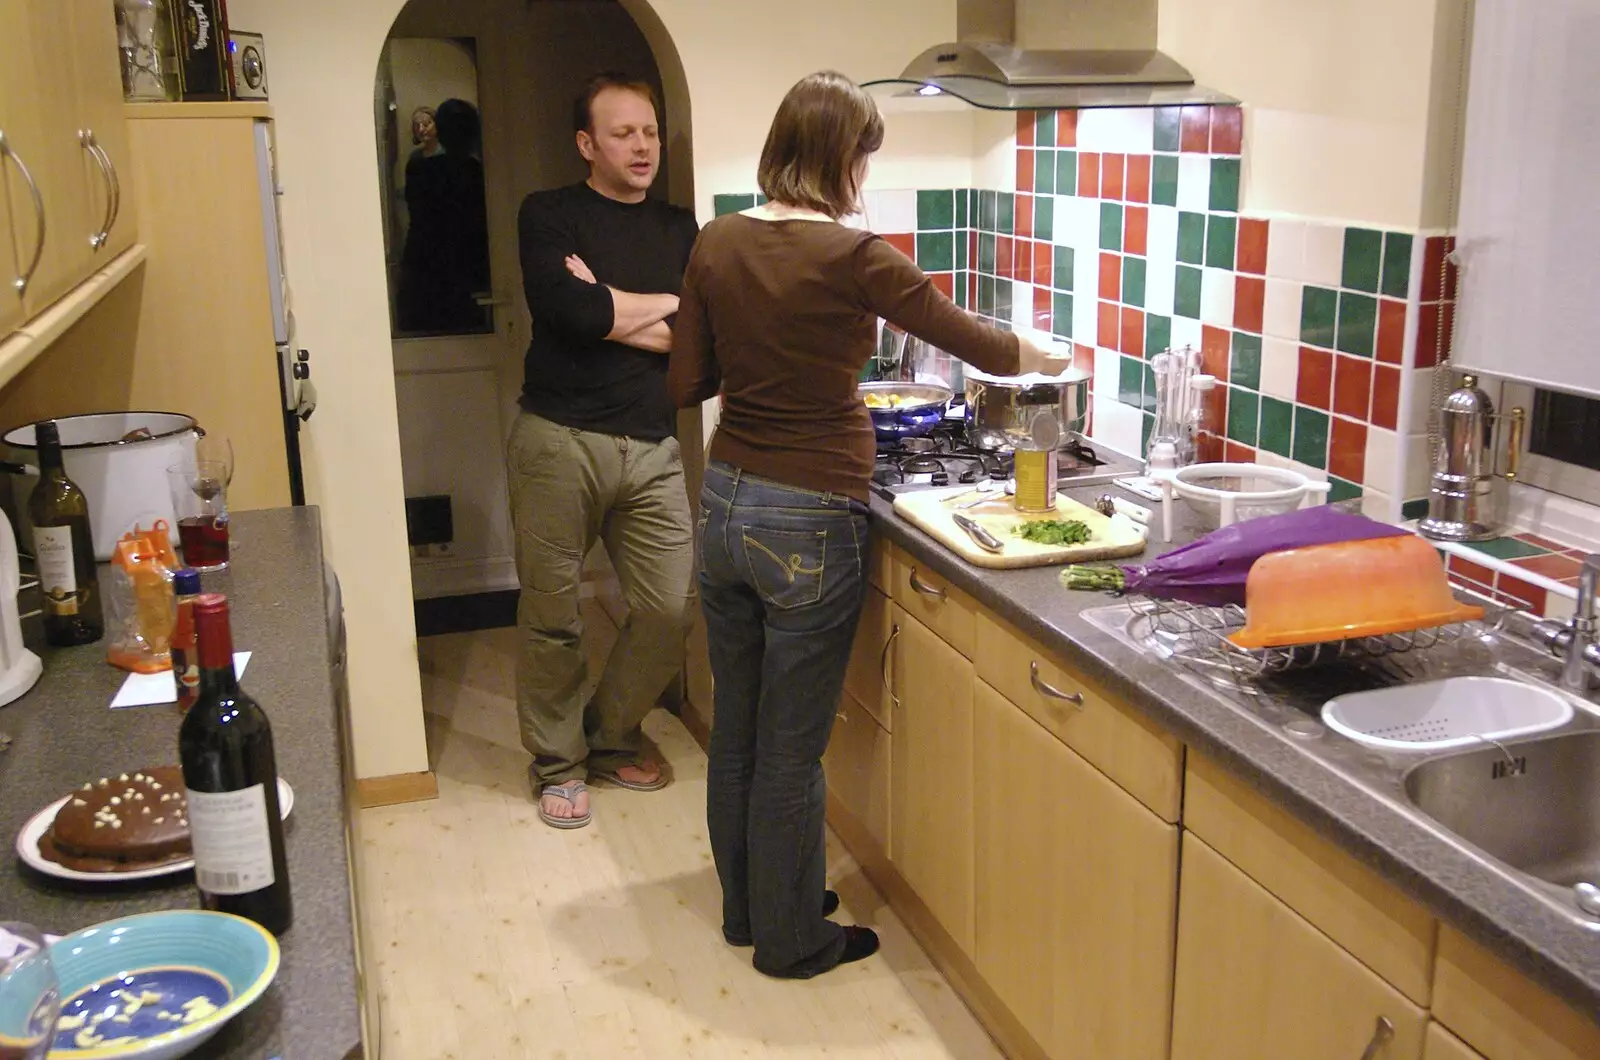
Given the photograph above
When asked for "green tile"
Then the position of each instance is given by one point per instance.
(986, 295)
(1164, 180)
(1358, 323)
(1006, 220)
(731, 203)
(1222, 236)
(1396, 264)
(1414, 509)
(1244, 415)
(986, 253)
(1340, 490)
(1186, 293)
(1506, 548)
(1044, 173)
(1130, 381)
(1245, 369)
(1225, 184)
(1310, 436)
(1277, 425)
(936, 210)
(761, 200)
(1066, 172)
(1363, 259)
(1044, 128)
(1149, 401)
(1061, 314)
(961, 249)
(1192, 238)
(1044, 217)
(961, 288)
(1148, 429)
(1319, 311)
(1169, 130)
(1157, 334)
(1064, 263)
(1110, 226)
(964, 207)
(1133, 275)
(987, 210)
(1002, 299)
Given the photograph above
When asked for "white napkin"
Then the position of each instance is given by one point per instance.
(143, 690)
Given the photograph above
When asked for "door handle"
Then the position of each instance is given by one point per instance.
(20, 283)
(883, 665)
(920, 586)
(1382, 1035)
(86, 140)
(1050, 691)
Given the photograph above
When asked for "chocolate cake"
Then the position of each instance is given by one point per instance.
(128, 821)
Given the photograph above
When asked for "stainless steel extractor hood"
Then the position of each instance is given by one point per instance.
(1107, 58)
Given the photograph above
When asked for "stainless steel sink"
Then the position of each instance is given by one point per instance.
(1535, 805)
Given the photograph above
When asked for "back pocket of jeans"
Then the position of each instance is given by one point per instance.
(787, 565)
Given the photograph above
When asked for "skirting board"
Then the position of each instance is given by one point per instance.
(397, 788)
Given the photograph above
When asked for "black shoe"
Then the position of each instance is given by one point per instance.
(859, 944)
(830, 906)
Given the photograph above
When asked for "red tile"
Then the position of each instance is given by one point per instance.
(1138, 184)
(1347, 450)
(1041, 304)
(1553, 566)
(1043, 260)
(1227, 130)
(904, 242)
(1211, 449)
(1352, 387)
(1249, 303)
(972, 287)
(1386, 397)
(1022, 218)
(1133, 331)
(1112, 173)
(1066, 128)
(1024, 170)
(1234, 453)
(1022, 261)
(1136, 230)
(1526, 595)
(1196, 137)
(1110, 277)
(1472, 571)
(1543, 542)
(1214, 348)
(1253, 246)
(972, 248)
(1003, 264)
(1025, 120)
(945, 282)
(1316, 378)
(1433, 333)
(1437, 285)
(1110, 326)
(1214, 411)
(1391, 331)
(1088, 175)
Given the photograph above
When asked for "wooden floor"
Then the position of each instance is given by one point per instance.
(501, 938)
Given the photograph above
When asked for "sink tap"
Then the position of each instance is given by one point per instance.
(1577, 641)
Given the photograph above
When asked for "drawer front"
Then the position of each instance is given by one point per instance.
(1128, 748)
(1379, 926)
(1503, 1014)
(933, 601)
(857, 768)
(1442, 1045)
(868, 675)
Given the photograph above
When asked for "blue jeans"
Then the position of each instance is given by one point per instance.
(782, 579)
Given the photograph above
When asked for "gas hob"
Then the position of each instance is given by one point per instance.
(944, 457)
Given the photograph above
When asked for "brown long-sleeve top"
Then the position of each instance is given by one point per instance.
(780, 316)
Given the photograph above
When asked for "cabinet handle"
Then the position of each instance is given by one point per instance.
(1050, 691)
(86, 140)
(1382, 1035)
(116, 187)
(883, 664)
(918, 585)
(20, 283)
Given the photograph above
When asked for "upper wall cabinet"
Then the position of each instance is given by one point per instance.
(1529, 232)
(66, 212)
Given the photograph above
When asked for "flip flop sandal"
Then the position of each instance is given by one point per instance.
(611, 777)
(568, 792)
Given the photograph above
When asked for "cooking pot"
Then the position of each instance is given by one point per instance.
(922, 407)
(118, 459)
(1001, 409)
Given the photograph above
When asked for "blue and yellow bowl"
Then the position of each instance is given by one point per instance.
(156, 985)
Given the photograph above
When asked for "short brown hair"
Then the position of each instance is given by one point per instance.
(823, 129)
(583, 106)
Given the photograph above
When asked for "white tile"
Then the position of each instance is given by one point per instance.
(1022, 305)
(1313, 474)
(1186, 332)
(1194, 183)
(1282, 311)
(1117, 425)
(1163, 240)
(1324, 264)
(1216, 297)
(1077, 222)
(1383, 461)
(1107, 373)
(1271, 459)
(1280, 368)
(1380, 506)
(892, 211)
(1160, 279)
(1128, 130)
(1419, 466)
(1086, 275)
(1421, 398)
(1085, 316)
(1286, 249)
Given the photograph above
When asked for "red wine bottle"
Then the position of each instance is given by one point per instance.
(225, 746)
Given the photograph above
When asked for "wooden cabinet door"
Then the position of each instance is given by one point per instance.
(24, 115)
(1255, 981)
(1442, 1045)
(1076, 893)
(867, 678)
(103, 194)
(857, 767)
(932, 791)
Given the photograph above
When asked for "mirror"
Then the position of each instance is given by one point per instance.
(435, 221)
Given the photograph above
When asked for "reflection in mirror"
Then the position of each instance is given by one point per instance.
(436, 234)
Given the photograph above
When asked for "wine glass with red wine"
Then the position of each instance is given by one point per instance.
(200, 497)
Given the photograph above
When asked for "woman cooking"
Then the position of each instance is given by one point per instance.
(778, 313)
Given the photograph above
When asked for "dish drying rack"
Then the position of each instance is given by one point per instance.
(1197, 635)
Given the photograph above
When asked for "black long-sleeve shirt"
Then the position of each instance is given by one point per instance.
(573, 375)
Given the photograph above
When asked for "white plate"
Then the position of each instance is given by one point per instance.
(28, 846)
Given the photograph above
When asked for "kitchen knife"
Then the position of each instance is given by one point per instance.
(981, 537)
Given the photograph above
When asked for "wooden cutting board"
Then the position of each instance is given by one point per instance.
(929, 512)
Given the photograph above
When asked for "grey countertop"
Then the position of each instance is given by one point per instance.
(64, 734)
(1459, 889)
